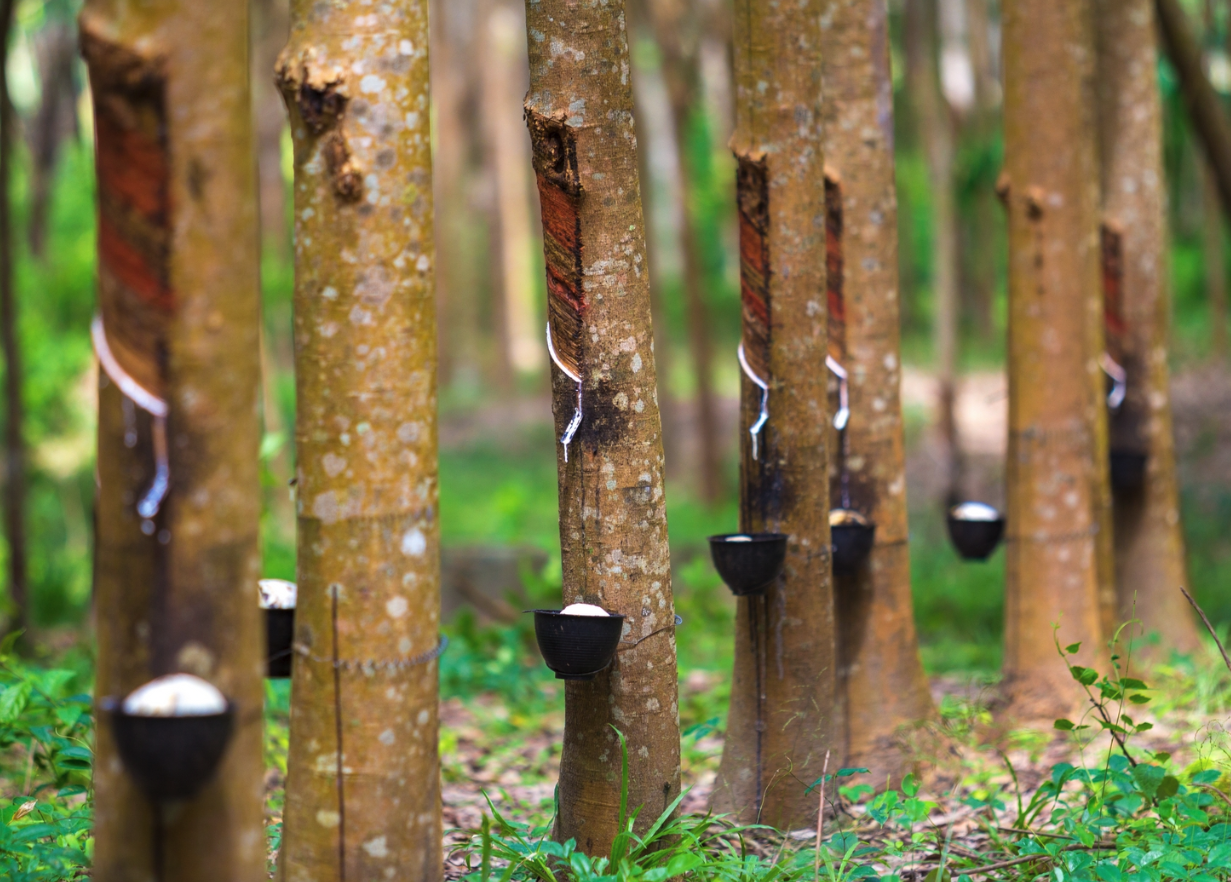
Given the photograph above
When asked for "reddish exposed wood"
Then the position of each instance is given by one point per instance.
(752, 186)
(834, 274)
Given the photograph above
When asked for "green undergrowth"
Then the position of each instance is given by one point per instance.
(1125, 811)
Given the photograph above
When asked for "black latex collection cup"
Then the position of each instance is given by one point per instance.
(852, 536)
(278, 598)
(577, 647)
(1128, 470)
(748, 563)
(975, 529)
(170, 758)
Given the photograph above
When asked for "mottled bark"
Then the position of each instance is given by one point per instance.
(784, 714)
(1205, 108)
(881, 676)
(1149, 544)
(613, 518)
(1057, 467)
(363, 775)
(14, 475)
(178, 296)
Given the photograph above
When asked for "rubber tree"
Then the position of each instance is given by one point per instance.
(14, 467)
(1057, 466)
(363, 775)
(175, 571)
(880, 673)
(1149, 544)
(613, 518)
(784, 714)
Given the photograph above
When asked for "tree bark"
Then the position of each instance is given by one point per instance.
(363, 775)
(613, 519)
(1149, 544)
(14, 410)
(784, 715)
(1057, 467)
(1204, 106)
(936, 127)
(178, 290)
(881, 676)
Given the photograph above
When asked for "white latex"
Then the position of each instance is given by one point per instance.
(175, 695)
(739, 539)
(975, 511)
(584, 609)
(277, 594)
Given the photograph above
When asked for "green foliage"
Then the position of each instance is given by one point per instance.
(46, 721)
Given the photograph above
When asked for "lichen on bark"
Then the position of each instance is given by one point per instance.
(363, 777)
(613, 522)
(784, 714)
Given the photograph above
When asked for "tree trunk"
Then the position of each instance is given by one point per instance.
(1215, 263)
(55, 50)
(936, 127)
(363, 776)
(14, 410)
(676, 32)
(880, 674)
(1149, 543)
(508, 152)
(271, 24)
(178, 290)
(1056, 468)
(1204, 106)
(784, 713)
(613, 518)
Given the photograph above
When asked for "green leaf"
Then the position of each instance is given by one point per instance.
(1132, 683)
(1072, 648)
(1138, 698)
(13, 701)
(1169, 787)
(1085, 676)
(910, 785)
(1148, 778)
(1209, 776)
(846, 773)
(1063, 725)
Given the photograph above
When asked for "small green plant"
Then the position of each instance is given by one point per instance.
(45, 828)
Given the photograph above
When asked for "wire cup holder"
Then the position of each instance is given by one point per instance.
(156, 407)
(571, 429)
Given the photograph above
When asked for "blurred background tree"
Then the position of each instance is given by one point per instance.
(497, 470)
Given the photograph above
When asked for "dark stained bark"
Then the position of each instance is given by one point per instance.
(175, 588)
(613, 520)
(1149, 542)
(785, 714)
(881, 677)
(14, 410)
(1057, 467)
(363, 773)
